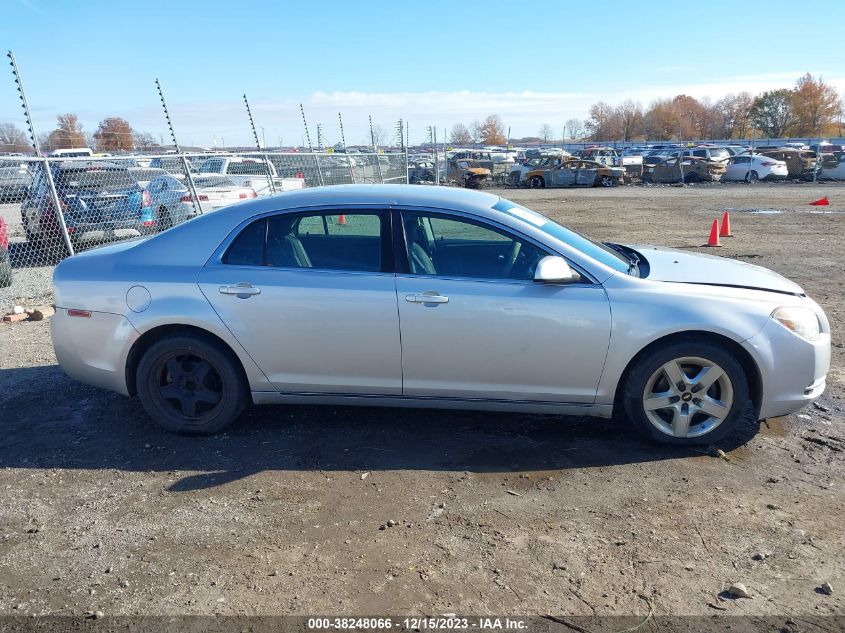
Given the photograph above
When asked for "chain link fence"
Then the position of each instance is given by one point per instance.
(53, 207)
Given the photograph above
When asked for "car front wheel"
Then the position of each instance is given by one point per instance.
(686, 393)
(189, 385)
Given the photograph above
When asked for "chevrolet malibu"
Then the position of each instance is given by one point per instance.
(433, 297)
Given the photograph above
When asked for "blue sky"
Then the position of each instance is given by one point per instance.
(431, 62)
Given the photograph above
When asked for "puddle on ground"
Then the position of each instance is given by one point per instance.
(774, 427)
(766, 211)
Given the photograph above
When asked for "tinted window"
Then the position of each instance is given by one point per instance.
(456, 247)
(248, 247)
(95, 179)
(247, 169)
(346, 242)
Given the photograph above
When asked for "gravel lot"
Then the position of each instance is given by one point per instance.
(289, 511)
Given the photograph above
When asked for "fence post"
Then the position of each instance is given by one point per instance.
(375, 151)
(185, 164)
(346, 150)
(319, 169)
(269, 170)
(54, 195)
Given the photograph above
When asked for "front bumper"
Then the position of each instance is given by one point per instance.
(94, 349)
(793, 369)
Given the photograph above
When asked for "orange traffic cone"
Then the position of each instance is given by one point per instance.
(341, 219)
(725, 231)
(821, 202)
(714, 235)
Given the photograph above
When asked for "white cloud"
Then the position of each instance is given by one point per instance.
(197, 123)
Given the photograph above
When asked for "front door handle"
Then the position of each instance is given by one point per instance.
(243, 290)
(426, 297)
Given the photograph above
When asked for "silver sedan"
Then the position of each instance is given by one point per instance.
(433, 297)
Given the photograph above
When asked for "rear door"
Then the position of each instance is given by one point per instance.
(312, 298)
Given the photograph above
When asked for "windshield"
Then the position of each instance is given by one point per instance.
(582, 243)
(96, 179)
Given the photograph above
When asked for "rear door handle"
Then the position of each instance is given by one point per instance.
(243, 289)
(426, 297)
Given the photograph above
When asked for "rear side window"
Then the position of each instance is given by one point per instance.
(248, 247)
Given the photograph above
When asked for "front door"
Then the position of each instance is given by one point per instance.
(475, 326)
(312, 298)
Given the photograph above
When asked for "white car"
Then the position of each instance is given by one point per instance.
(750, 168)
(250, 172)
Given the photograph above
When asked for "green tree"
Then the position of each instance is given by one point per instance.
(773, 114)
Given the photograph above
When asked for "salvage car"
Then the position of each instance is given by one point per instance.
(575, 173)
(173, 202)
(449, 299)
(800, 163)
(689, 170)
(467, 173)
(521, 169)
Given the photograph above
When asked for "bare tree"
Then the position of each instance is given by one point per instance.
(575, 128)
(475, 131)
(13, 139)
(144, 141)
(379, 136)
(460, 135)
(545, 132)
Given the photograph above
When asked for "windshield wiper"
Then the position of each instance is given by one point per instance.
(630, 256)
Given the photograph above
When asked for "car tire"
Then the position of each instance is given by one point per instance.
(537, 182)
(165, 220)
(190, 385)
(5, 271)
(752, 176)
(607, 181)
(649, 379)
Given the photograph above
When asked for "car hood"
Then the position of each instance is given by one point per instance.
(669, 264)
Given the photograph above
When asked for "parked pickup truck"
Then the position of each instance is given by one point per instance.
(250, 172)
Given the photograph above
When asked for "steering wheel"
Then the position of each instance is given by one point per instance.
(511, 257)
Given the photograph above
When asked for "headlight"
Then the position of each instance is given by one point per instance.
(802, 321)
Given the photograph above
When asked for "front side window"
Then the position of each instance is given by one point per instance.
(449, 246)
(322, 241)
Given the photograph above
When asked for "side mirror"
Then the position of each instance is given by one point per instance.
(554, 270)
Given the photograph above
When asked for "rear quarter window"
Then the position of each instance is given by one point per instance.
(247, 249)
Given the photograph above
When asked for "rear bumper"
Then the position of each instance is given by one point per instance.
(793, 370)
(94, 350)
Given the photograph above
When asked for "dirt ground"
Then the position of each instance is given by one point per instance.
(288, 512)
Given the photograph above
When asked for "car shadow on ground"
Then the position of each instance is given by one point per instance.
(51, 421)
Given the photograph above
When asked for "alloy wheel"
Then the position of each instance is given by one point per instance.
(190, 385)
(688, 397)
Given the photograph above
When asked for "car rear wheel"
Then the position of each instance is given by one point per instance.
(537, 182)
(5, 270)
(165, 221)
(189, 385)
(752, 176)
(686, 393)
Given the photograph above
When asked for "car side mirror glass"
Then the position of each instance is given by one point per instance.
(554, 269)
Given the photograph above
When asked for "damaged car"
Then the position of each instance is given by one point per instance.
(689, 170)
(467, 173)
(575, 173)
